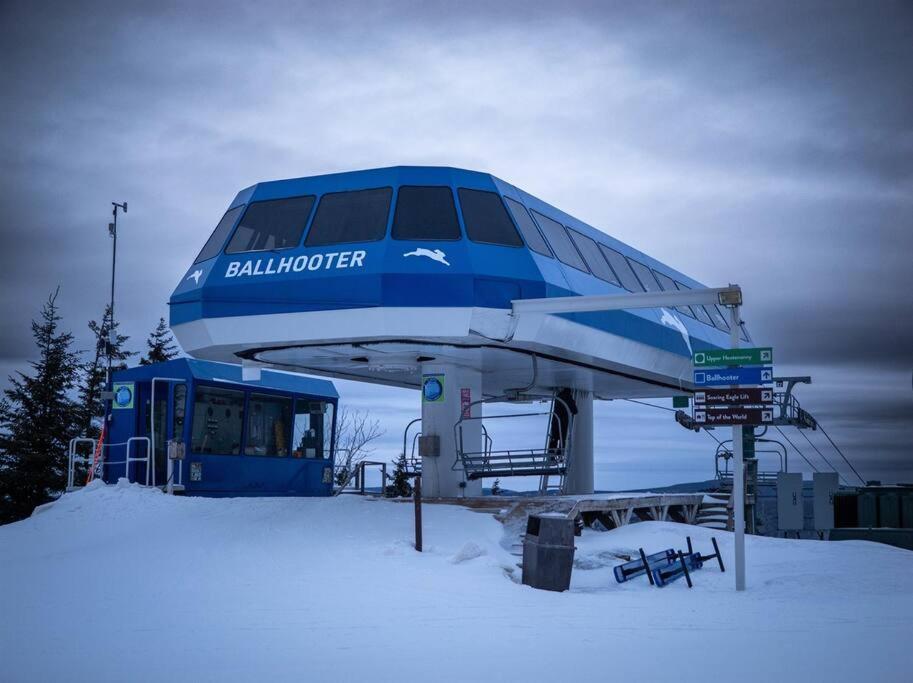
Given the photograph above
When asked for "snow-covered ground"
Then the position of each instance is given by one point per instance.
(119, 583)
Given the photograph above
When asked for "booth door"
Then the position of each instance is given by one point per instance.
(168, 418)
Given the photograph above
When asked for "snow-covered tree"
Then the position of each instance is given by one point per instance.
(161, 345)
(496, 488)
(37, 420)
(92, 380)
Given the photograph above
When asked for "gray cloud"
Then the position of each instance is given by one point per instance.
(764, 143)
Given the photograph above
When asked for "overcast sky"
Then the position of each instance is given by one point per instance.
(768, 144)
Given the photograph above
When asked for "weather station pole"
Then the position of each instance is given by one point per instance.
(738, 475)
(112, 230)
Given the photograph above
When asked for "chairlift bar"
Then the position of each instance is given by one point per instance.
(617, 302)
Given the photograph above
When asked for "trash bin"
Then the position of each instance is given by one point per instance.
(548, 552)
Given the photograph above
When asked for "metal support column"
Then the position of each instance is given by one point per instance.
(738, 475)
(579, 477)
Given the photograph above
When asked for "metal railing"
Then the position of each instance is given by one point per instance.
(74, 458)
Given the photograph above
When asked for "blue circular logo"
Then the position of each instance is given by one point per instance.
(123, 396)
(432, 389)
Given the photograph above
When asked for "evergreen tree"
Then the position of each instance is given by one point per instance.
(37, 421)
(92, 382)
(400, 486)
(496, 488)
(161, 345)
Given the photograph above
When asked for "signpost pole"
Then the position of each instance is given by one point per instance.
(738, 476)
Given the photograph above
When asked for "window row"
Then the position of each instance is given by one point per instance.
(421, 213)
(579, 251)
(276, 426)
(430, 213)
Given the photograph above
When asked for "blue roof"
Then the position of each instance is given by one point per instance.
(209, 371)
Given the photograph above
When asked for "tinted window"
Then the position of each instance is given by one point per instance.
(217, 420)
(486, 219)
(269, 420)
(531, 234)
(275, 224)
(718, 318)
(698, 311)
(559, 241)
(668, 285)
(214, 244)
(425, 213)
(359, 216)
(593, 257)
(645, 275)
(622, 269)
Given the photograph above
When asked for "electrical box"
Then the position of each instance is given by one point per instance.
(790, 515)
(825, 485)
(176, 450)
(429, 446)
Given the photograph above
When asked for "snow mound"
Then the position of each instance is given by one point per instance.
(469, 551)
(115, 583)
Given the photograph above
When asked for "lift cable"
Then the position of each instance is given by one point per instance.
(796, 448)
(842, 478)
(841, 454)
(652, 405)
(672, 410)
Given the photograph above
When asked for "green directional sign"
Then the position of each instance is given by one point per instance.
(759, 356)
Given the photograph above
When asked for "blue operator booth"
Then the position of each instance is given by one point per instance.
(224, 437)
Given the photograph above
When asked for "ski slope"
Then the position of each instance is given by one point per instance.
(121, 583)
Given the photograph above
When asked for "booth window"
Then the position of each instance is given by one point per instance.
(425, 213)
(357, 216)
(594, 259)
(180, 411)
(486, 219)
(313, 429)
(268, 422)
(620, 265)
(559, 241)
(274, 224)
(534, 238)
(668, 285)
(214, 244)
(217, 420)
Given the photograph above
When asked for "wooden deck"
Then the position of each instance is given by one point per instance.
(610, 510)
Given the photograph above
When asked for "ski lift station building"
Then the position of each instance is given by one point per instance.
(271, 436)
(417, 277)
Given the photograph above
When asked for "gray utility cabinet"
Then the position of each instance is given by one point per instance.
(867, 503)
(825, 485)
(889, 509)
(548, 552)
(790, 511)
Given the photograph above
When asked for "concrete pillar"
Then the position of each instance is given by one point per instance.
(579, 477)
(446, 390)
